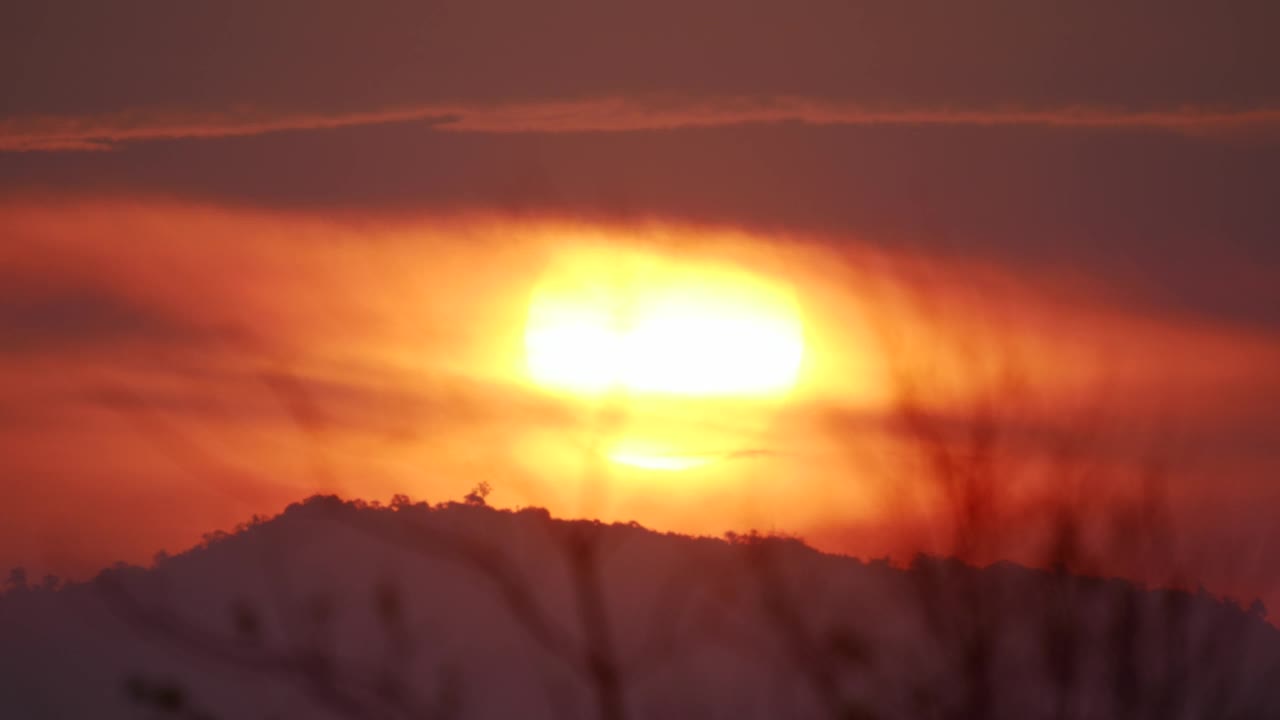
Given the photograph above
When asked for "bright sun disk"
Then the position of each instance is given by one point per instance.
(662, 330)
(643, 330)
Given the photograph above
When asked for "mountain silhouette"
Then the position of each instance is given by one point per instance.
(346, 609)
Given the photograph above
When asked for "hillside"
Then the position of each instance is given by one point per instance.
(337, 609)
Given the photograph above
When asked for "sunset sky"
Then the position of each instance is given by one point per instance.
(699, 265)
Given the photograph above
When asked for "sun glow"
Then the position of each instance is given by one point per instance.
(642, 326)
(656, 461)
(671, 344)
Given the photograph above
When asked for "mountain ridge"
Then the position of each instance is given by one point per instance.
(351, 609)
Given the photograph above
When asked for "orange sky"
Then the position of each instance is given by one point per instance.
(176, 367)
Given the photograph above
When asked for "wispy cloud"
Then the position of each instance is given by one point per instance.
(37, 318)
(612, 114)
(105, 132)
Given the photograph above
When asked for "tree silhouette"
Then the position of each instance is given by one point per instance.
(479, 494)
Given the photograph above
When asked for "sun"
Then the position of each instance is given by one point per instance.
(646, 326)
(651, 329)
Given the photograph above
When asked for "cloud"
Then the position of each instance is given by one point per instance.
(611, 114)
(39, 319)
(86, 58)
(104, 133)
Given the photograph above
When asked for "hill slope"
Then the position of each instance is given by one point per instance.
(338, 609)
